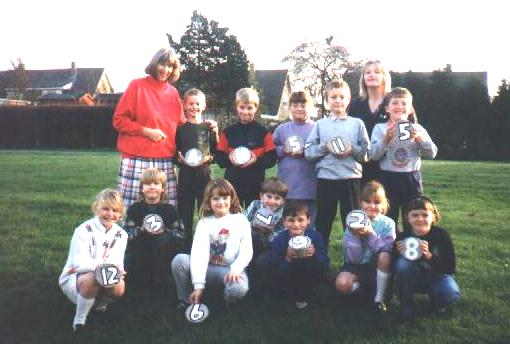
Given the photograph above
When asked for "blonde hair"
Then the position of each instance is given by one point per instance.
(165, 57)
(110, 198)
(363, 93)
(375, 190)
(194, 92)
(153, 175)
(247, 95)
(220, 187)
(334, 84)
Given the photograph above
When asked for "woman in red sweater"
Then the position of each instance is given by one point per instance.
(146, 118)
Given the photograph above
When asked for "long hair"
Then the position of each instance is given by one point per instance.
(219, 187)
(363, 93)
(166, 57)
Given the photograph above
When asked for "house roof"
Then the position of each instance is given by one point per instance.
(271, 83)
(76, 81)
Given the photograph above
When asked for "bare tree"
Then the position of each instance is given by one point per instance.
(317, 63)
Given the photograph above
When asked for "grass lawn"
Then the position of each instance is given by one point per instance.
(46, 194)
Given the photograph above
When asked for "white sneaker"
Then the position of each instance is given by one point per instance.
(301, 304)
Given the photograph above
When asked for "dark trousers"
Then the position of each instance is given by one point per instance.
(299, 277)
(190, 192)
(401, 187)
(147, 260)
(329, 194)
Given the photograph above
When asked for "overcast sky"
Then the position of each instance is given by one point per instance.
(122, 36)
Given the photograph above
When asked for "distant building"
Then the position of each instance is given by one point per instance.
(35, 85)
(274, 85)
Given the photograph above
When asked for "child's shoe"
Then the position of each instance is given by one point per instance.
(380, 307)
(301, 304)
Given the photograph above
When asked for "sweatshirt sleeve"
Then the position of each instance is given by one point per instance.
(378, 146)
(443, 260)
(223, 151)
(268, 159)
(278, 143)
(314, 149)
(320, 249)
(199, 260)
(124, 117)
(361, 150)
(82, 262)
(279, 249)
(245, 247)
(116, 255)
(428, 149)
(384, 241)
(353, 248)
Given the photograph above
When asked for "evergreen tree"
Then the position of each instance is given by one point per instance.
(212, 61)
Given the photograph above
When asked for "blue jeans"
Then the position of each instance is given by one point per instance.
(412, 277)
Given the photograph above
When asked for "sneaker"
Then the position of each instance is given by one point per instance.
(380, 307)
(100, 307)
(77, 328)
(301, 304)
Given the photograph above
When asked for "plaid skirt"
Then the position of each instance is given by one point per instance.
(130, 172)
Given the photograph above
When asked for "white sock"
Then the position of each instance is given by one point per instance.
(382, 280)
(83, 307)
(355, 286)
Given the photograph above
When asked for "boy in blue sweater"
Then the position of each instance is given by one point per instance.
(298, 270)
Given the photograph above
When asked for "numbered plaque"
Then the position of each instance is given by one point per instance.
(264, 218)
(194, 157)
(356, 220)
(412, 248)
(241, 155)
(299, 244)
(295, 144)
(196, 313)
(107, 275)
(337, 145)
(404, 131)
(153, 224)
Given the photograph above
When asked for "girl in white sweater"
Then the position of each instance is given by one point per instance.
(221, 249)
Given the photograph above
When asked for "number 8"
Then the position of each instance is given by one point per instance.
(412, 249)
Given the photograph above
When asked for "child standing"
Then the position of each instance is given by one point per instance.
(156, 234)
(194, 175)
(433, 271)
(96, 241)
(291, 272)
(247, 177)
(399, 151)
(297, 172)
(367, 250)
(221, 249)
(338, 173)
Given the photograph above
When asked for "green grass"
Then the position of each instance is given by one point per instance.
(46, 194)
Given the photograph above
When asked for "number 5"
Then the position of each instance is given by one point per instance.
(404, 131)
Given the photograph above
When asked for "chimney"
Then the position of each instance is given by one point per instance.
(73, 65)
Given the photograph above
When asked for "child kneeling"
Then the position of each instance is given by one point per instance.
(428, 264)
(367, 250)
(95, 242)
(156, 234)
(294, 271)
(221, 249)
